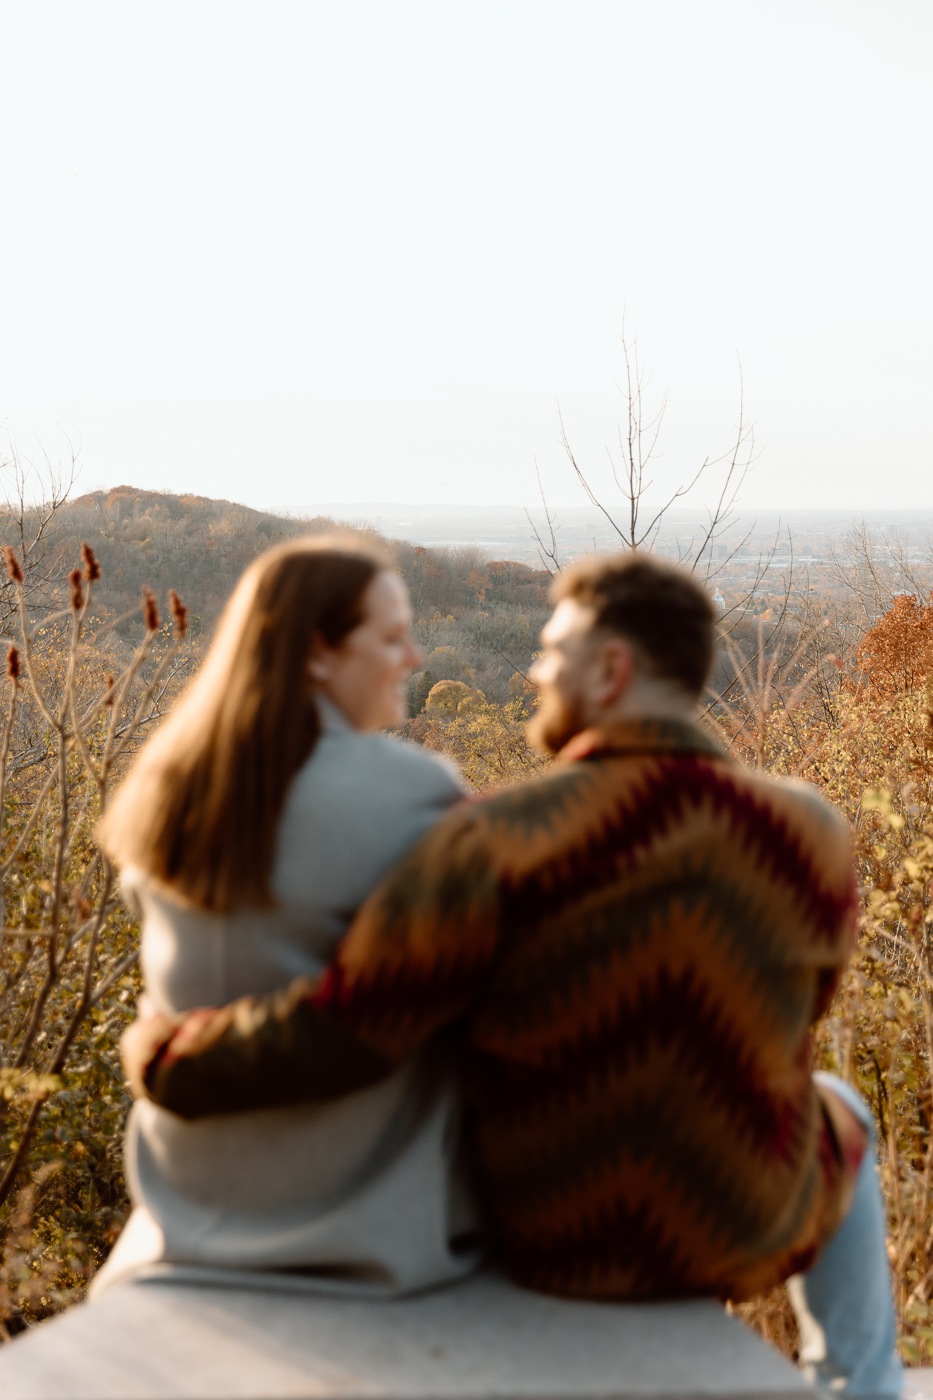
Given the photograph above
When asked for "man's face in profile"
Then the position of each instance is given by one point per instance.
(564, 674)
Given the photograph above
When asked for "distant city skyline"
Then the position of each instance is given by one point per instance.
(302, 253)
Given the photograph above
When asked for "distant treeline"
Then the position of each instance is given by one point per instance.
(477, 620)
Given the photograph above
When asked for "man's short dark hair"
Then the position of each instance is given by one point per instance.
(659, 607)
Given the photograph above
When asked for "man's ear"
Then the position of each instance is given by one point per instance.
(615, 671)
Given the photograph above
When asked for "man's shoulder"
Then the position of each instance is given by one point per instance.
(792, 815)
(793, 796)
(490, 837)
(553, 786)
(579, 791)
(543, 807)
(602, 790)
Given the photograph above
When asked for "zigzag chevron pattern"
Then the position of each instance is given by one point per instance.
(634, 948)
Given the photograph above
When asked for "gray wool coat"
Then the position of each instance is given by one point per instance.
(362, 1195)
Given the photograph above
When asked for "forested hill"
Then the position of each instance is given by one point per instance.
(190, 543)
(476, 620)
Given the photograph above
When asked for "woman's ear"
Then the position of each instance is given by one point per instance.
(317, 668)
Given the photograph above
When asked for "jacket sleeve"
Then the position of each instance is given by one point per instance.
(829, 977)
(835, 898)
(410, 965)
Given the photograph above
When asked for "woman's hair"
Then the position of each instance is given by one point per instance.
(200, 808)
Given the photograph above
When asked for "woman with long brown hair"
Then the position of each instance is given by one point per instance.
(248, 831)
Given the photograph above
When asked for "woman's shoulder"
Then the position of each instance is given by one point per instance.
(343, 750)
(385, 758)
(354, 809)
(402, 755)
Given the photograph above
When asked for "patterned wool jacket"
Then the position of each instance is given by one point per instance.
(630, 952)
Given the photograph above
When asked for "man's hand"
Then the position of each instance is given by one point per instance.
(141, 1044)
(155, 1041)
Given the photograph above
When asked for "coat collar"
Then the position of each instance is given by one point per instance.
(332, 718)
(642, 736)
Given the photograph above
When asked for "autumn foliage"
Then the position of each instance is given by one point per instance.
(896, 656)
(861, 729)
(75, 701)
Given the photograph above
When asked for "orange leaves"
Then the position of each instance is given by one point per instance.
(896, 655)
(478, 583)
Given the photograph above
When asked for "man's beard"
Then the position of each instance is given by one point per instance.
(554, 723)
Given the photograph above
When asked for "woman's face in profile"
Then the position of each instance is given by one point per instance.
(366, 676)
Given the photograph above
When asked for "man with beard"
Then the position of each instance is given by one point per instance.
(629, 953)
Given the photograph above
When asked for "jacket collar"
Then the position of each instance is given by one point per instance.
(642, 736)
(332, 718)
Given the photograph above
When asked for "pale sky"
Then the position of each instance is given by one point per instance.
(340, 250)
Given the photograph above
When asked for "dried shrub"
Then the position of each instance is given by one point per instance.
(78, 700)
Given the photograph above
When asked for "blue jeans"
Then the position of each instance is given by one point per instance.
(843, 1303)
